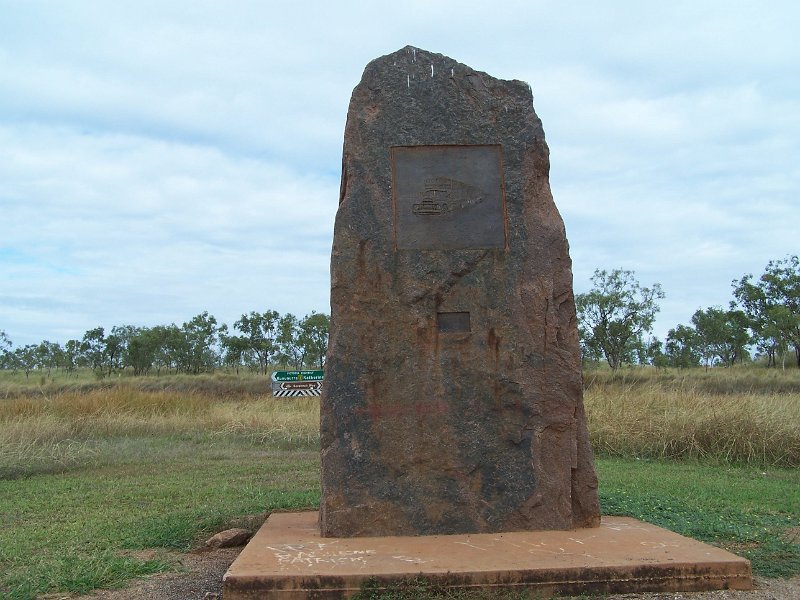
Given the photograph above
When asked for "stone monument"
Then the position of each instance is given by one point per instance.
(452, 400)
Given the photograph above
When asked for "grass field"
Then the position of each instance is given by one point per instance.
(92, 473)
(748, 416)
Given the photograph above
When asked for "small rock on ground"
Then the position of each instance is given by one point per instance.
(230, 538)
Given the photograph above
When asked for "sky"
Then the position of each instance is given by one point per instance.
(161, 159)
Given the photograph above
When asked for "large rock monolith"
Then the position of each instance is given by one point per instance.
(452, 400)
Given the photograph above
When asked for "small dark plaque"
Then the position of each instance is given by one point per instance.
(448, 197)
(453, 322)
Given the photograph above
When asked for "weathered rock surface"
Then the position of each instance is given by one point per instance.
(452, 399)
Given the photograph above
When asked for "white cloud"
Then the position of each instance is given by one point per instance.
(117, 228)
(159, 159)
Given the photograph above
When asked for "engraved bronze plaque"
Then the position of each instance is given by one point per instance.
(453, 322)
(448, 197)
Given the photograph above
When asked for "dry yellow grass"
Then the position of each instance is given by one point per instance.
(77, 427)
(694, 416)
(751, 416)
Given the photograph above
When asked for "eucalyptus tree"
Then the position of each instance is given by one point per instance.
(169, 347)
(121, 337)
(236, 351)
(141, 347)
(261, 330)
(201, 338)
(651, 352)
(113, 352)
(313, 337)
(615, 314)
(683, 348)
(93, 349)
(290, 352)
(25, 358)
(5, 349)
(722, 335)
(71, 355)
(772, 302)
(48, 355)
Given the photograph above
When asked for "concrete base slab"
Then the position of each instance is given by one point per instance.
(288, 559)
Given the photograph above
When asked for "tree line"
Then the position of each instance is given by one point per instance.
(615, 320)
(200, 345)
(616, 317)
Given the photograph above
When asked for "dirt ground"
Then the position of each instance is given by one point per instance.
(201, 579)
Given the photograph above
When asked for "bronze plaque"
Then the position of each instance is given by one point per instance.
(448, 197)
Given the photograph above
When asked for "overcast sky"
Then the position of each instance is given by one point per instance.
(159, 159)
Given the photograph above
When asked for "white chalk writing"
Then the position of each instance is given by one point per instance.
(317, 554)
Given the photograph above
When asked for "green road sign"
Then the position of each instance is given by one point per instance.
(297, 375)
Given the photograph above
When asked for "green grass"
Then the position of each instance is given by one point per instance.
(753, 513)
(75, 531)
